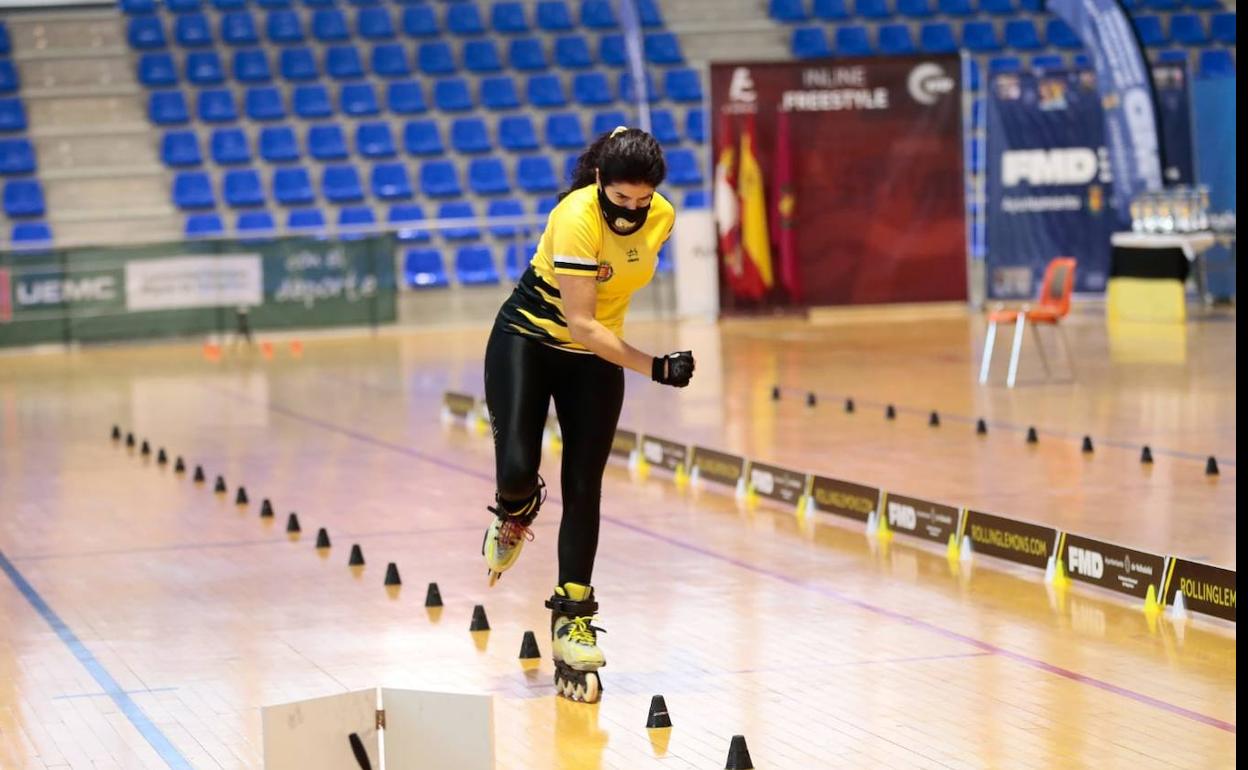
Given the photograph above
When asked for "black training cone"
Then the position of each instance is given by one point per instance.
(161, 457)
(479, 622)
(241, 497)
(658, 713)
(811, 399)
(357, 557)
(116, 433)
(433, 597)
(1031, 436)
(1211, 467)
(199, 474)
(738, 755)
(322, 538)
(775, 392)
(849, 405)
(528, 647)
(292, 522)
(220, 485)
(1087, 444)
(934, 420)
(130, 440)
(392, 575)
(890, 413)
(179, 466)
(266, 509)
(146, 449)
(1146, 456)
(981, 427)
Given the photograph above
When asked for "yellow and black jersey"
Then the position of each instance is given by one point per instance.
(577, 241)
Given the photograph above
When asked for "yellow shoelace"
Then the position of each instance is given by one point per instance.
(580, 631)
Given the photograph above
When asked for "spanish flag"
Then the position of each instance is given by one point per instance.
(784, 205)
(755, 241)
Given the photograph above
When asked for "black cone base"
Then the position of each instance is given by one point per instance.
(433, 597)
(220, 485)
(658, 713)
(266, 509)
(775, 393)
(479, 621)
(322, 538)
(392, 575)
(161, 457)
(116, 433)
(528, 647)
(1031, 436)
(738, 755)
(811, 399)
(849, 405)
(1211, 467)
(292, 523)
(1146, 455)
(1087, 444)
(890, 413)
(130, 440)
(179, 466)
(934, 420)
(199, 473)
(146, 449)
(241, 497)
(357, 557)
(981, 427)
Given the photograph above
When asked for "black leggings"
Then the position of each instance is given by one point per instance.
(521, 376)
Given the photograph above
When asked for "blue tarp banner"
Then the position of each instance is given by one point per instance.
(1174, 112)
(1213, 109)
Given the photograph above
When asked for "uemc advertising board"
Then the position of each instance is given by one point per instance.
(876, 149)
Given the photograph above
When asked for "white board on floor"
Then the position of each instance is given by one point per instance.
(438, 731)
(315, 734)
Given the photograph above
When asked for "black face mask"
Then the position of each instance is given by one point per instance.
(622, 221)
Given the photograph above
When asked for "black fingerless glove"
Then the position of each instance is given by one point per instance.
(674, 369)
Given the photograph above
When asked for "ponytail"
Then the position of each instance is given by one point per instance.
(622, 155)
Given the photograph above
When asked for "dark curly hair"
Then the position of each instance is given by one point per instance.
(631, 155)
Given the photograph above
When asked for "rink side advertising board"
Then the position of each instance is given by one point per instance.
(921, 518)
(717, 466)
(458, 404)
(664, 453)
(1016, 541)
(844, 498)
(1205, 588)
(777, 483)
(1111, 566)
(624, 443)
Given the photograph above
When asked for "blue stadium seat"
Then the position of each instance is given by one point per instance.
(851, 40)
(469, 135)
(663, 127)
(274, 5)
(375, 23)
(1032, 6)
(358, 99)
(998, 7)
(435, 58)
(598, 14)
(1060, 35)
(696, 199)
(564, 131)
(1043, 62)
(516, 133)
(1188, 29)
(482, 56)
(283, 27)
(546, 91)
(683, 85)
(811, 43)
(216, 105)
(651, 17)
(264, 103)
(1021, 35)
(830, 10)
(329, 25)
(518, 258)
(1172, 56)
(451, 95)
(165, 108)
(254, 224)
(526, 54)
(312, 102)
(423, 269)
(251, 65)
(440, 179)
(553, 16)
(406, 97)
(607, 121)
(17, 156)
(1150, 31)
(298, 64)
(695, 126)
(374, 140)
(487, 176)
(1222, 28)
(342, 62)
(239, 28)
(999, 64)
(389, 60)
(132, 7)
(182, 6)
(665, 265)
(405, 216)
(204, 225)
(937, 37)
(341, 184)
(241, 188)
(203, 68)
(1164, 5)
(464, 19)
(626, 87)
(28, 235)
(355, 222)
(326, 142)
(177, 148)
(474, 266)
(277, 144)
(955, 7)
(508, 18)
(422, 137)
(872, 9)
(535, 174)
(895, 39)
(980, 37)
(390, 182)
(663, 48)
(305, 220)
(1216, 63)
(193, 190)
(505, 207)
(293, 186)
(157, 69)
(611, 51)
(499, 93)
(682, 168)
(546, 204)
(572, 52)
(145, 32)
(1205, 5)
(788, 11)
(419, 21)
(569, 167)
(914, 9)
(591, 89)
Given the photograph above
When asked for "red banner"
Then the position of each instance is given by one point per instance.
(863, 173)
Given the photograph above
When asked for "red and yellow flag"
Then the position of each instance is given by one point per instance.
(755, 240)
(784, 204)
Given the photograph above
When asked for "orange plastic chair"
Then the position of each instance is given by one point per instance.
(1051, 307)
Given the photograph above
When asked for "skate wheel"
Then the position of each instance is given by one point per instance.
(592, 690)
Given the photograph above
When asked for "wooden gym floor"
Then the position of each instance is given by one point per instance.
(144, 620)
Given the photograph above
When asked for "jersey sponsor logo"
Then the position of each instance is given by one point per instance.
(633, 255)
(605, 272)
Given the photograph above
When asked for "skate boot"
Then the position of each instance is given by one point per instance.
(509, 531)
(574, 643)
